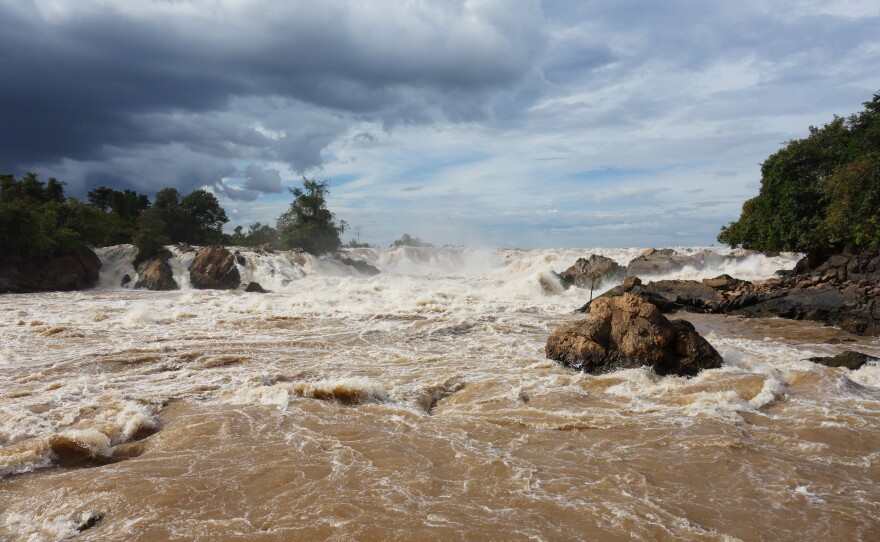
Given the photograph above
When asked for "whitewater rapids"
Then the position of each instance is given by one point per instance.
(416, 405)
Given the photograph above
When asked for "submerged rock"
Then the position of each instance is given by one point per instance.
(65, 272)
(850, 359)
(592, 271)
(155, 273)
(214, 268)
(625, 332)
(254, 287)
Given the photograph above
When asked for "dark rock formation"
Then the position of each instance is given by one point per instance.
(126, 278)
(65, 272)
(254, 287)
(844, 290)
(626, 331)
(361, 266)
(214, 268)
(154, 273)
(592, 271)
(850, 359)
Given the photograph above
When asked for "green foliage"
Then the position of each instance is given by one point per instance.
(408, 241)
(354, 243)
(817, 193)
(257, 234)
(308, 224)
(196, 218)
(35, 219)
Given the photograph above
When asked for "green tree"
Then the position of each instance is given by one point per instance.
(308, 224)
(818, 194)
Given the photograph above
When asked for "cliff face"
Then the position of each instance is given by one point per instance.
(66, 272)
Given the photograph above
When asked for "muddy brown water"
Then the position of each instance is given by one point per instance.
(229, 416)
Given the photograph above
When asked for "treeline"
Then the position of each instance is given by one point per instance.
(818, 194)
(36, 219)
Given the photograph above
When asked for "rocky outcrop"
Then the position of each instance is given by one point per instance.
(214, 268)
(360, 266)
(155, 273)
(627, 331)
(655, 262)
(66, 272)
(592, 271)
(850, 359)
(844, 290)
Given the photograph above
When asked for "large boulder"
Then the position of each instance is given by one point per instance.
(66, 272)
(591, 272)
(625, 332)
(214, 268)
(155, 273)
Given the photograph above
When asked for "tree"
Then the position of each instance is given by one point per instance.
(308, 224)
(818, 194)
(202, 218)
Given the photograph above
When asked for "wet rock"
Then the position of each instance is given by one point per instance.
(155, 273)
(841, 290)
(126, 278)
(254, 287)
(625, 332)
(89, 520)
(592, 271)
(240, 258)
(360, 266)
(665, 261)
(66, 272)
(850, 359)
(214, 268)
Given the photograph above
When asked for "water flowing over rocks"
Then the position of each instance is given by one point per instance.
(155, 273)
(850, 359)
(75, 271)
(214, 269)
(626, 332)
(841, 291)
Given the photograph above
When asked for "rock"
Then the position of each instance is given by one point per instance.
(625, 332)
(360, 266)
(630, 282)
(589, 273)
(126, 278)
(214, 268)
(65, 272)
(254, 287)
(665, 261)
(154, 273)
(850, 359)
(838, 291)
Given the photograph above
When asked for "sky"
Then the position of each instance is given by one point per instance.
(555, 123)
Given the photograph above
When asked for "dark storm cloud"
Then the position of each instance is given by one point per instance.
(79, 81)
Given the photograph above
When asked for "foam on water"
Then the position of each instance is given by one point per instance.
(421, 390)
